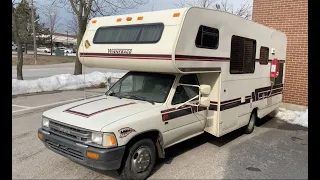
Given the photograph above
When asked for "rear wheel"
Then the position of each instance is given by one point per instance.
(140, 160)
(250, 127)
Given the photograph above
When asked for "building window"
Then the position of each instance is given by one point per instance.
(243, 54)
(207, 38)
(264, 55)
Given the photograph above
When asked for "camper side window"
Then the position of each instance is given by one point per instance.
(207, 37)
(185, 93)
(264, 55)
(243, 54)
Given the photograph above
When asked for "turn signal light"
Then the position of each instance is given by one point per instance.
(40, 135)
(94, 21)
(92, 155)
(176, 14)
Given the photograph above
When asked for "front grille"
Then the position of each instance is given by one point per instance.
(65, 150)
(67, 131)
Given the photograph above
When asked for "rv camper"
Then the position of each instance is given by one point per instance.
(191, 71)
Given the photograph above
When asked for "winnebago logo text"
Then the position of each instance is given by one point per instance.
(119, 51)
(125, 131)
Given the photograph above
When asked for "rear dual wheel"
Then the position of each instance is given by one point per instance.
(250, 127)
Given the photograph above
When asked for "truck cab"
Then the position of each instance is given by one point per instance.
(131, 125)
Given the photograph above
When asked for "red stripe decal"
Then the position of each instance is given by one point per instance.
(95, 113)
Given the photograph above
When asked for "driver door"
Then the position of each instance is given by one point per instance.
(186, 120)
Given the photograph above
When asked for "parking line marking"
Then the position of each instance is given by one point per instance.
(52, 104)
(25, 107)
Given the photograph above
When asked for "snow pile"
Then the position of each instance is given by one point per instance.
(293, 117)
(63, 82)
(71, 54)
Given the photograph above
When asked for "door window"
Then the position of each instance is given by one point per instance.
(185, 93)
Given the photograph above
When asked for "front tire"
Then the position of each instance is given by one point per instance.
(139, 161)
(250, 127)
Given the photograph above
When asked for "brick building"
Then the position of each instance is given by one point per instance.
(290, 17)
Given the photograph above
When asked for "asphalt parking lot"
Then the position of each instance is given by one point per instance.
(275, 150)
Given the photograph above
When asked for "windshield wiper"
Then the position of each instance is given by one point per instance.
(114, 94)
(141, 98)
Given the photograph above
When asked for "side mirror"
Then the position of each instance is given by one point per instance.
(205, 89)
(204, 101)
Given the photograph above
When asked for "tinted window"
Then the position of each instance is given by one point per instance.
(242, 57)
(185, 93)
(207, 37)
(264, 55)
(134, 34)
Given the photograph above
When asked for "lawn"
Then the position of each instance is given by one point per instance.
(43, 59)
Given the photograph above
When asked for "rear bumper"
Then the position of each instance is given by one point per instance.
(109, 159)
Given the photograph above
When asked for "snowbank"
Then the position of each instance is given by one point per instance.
(62, 82)
(293, 117)
(71, 54)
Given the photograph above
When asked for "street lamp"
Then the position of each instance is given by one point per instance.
(67, 39)
(51, 33)
(34, 33)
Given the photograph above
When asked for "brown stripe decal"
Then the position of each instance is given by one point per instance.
(160, 57)
(173, 113)
(95, 113)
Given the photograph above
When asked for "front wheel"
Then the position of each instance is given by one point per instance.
(140, 160)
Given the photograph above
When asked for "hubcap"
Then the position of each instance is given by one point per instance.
(141, 159)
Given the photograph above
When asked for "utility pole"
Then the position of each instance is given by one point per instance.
(34, 33)
(67, 39)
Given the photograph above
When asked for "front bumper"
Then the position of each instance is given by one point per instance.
(109, 159)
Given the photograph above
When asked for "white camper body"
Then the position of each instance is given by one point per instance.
(184, 49)
(235, 95)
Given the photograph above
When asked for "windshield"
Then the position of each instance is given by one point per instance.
(153, 87)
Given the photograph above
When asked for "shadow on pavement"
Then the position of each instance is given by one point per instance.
(183, 147)
(195, 142)
(279, 152)
(271, 122)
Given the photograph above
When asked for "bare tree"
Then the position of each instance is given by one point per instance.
(84, 9)
(17, 39)
(72, 25)
(198, 3)
(152, 7)
(244, 10)
(51, 13)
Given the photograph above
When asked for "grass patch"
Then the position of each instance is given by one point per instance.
(43, 59)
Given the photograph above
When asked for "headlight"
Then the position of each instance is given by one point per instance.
(45, 122)
(104, 139)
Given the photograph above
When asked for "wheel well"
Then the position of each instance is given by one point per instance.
(255, 110)
(153, 135)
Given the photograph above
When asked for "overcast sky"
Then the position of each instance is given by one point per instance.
(64, 15)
